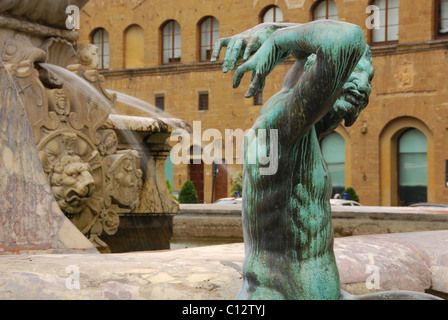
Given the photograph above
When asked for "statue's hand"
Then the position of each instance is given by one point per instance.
(261, 64)
(243, 45)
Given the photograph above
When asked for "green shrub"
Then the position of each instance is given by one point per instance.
(237, 184)
(188, 193)
(351, 194)
(170, 188)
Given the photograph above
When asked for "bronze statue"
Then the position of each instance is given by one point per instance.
(287, 215)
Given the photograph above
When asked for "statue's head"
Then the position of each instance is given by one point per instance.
(72, 184)
(356, 91)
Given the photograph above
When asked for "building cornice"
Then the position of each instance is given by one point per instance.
(164, 69)
(377, 51)
(412, 47)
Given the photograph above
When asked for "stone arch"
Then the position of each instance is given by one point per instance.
(318, 2)
(263, 5)
(389, 156)
(269, 7)
(134, 49)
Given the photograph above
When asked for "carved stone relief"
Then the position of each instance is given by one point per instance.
(91, 181)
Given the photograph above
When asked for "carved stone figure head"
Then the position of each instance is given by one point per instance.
(88, 56)
(72, 184)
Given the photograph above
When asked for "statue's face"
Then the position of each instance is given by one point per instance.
(72, 186)
(355, 92)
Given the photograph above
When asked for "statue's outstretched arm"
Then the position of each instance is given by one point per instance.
(337, 47)
(244, 44)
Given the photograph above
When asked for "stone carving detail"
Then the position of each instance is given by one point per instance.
(59, 52)
(92, 182)
(405, 75)
(19, 56)
(123, 178)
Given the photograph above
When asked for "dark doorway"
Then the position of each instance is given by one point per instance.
(196, 168)
(221, 183)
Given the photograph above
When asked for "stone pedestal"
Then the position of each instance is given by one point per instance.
(150, 225)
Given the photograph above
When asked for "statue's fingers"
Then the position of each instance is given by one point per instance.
(239, 73)
(263, 82)
(249, 49)
(217, 48)
(235, 53)
(228, 55)
(255, 85)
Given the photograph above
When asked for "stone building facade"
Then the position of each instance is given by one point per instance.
(395, 154)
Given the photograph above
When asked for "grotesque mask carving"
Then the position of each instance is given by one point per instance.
(72, 184)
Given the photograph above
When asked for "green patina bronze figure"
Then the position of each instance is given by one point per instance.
(287, 215)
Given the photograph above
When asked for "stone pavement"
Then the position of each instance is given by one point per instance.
(407, 261)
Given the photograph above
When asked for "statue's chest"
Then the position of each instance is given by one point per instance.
(308, 165)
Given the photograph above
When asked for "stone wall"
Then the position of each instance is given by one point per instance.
(405, 261)
(224, 221)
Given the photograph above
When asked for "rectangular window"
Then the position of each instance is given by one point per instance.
(171, 43)
(442, 18)
(388, 24)
(101, 40)
(258, 99)
(209, 35)
(203, 101)
(160, 102)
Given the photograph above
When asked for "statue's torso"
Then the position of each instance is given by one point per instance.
(287, 221)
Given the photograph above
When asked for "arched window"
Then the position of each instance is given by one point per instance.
(209, 35)
(171, 42)
(389, 16)
(100, 38)
(134, 47)
(333, 150)
(441, 18)
(272, 14)
(325, 9)
(412, 167)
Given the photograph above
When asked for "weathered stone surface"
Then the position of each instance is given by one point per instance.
(38, 11)
(361, 257)
(413, 261)
(30, 218)
(408, 261)
(198, 273)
